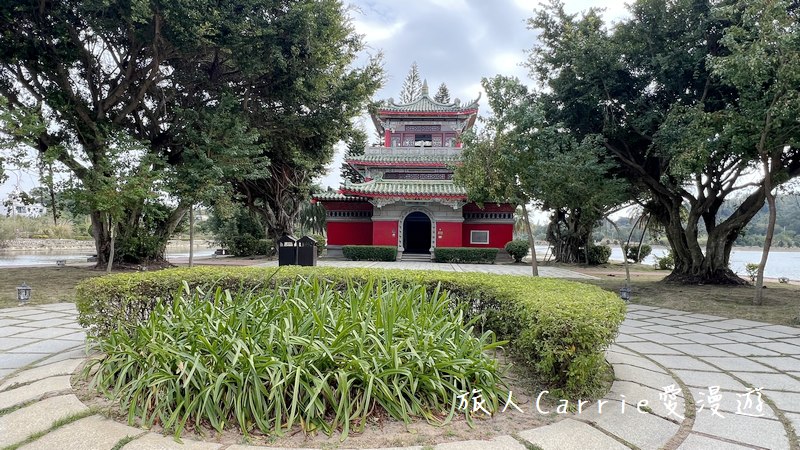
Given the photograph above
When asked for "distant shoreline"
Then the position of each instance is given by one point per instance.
(43, 245)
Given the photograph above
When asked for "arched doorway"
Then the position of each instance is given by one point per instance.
(417, 233)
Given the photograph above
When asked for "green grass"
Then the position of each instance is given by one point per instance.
(50, 284)
(311, 354)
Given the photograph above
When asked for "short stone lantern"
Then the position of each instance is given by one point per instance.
(625, 293)
(24, 293)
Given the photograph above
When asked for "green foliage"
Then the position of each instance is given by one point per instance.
(238, 230)
(412, 85)
(465, 255)
(518, 249)
(247, 245)
(752, 271)
(636, 254)
(356, 146)
(442, 94)
(321, 242)
(598, 254)
(370, 252)
(308, 353)
(559, 328)
(666, 262)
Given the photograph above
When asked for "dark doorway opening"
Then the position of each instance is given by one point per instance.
(417, 233)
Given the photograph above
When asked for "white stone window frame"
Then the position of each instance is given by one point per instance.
(472, 239)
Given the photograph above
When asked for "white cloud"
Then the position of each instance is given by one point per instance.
(377, 32)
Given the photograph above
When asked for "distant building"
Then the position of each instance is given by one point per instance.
(408, 197)
(13, 206)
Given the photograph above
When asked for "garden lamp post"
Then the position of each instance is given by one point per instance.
(24, 293)
(625, 293)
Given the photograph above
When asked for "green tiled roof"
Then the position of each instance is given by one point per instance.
(336, 196)
(410, 188)
(427, 104)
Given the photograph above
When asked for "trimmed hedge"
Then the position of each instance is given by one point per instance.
(370, 252)
(465, 255)
(518, 249)
(559, 328)
(598, 254)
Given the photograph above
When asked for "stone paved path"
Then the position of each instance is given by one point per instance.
(667, 362)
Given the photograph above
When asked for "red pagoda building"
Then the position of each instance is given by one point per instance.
(408, 197)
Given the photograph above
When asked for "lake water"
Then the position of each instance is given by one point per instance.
(780, 263)
(72, 256)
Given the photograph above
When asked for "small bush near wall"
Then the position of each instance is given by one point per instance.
(599, 254)
(465, 255)
(558, 328)
(370, 252)
(518, 249)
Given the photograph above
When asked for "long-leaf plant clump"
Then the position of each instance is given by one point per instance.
(308, 354)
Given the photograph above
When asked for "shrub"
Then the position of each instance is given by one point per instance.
(370, 252)
(249, 245)
(465, 255)
(559, 328)
(598, 254)
(752, 271)
(666, 262)
(633, 254)
(321, 243)
(518, 249)
(309, 353)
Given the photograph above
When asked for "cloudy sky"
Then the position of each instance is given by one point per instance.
(453, 41)
(456, 42)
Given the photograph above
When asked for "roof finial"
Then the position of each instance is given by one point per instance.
(425, 88)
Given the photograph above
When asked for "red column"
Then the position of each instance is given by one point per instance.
(387, 138)
(448, 234)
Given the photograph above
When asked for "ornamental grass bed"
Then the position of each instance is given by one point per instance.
(330, 350)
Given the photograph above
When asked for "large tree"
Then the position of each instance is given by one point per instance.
(645, 89)
(153, 106)
(412, 85)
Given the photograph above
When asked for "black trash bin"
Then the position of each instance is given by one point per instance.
(287, 250)
(307, 251)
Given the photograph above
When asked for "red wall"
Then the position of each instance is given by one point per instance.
(349, 233)
(384, 232)
(448, 234)
(499, 234)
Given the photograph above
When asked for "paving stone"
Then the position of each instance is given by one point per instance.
(499, 443)
(636, 323)
(698, 350)
(38, 417)
(628, 338)
(698, 442)
(7, 343)
(786, 401)
(783, 329)
(645, 377)
(90, 433)
(737, 363)
(663, 321)
(641, 429)
(681, 362)
(633, 393)
(650, 348)
(765, 333)
(795, 341)
(663, 330)
(570, 433)
(10, 322)
(688, 319)
(153, 441)
(4, 372)
(731, 324)
(728, 403)
(757, 431)
(48, 346)
(795, 420)
(745, 350)
(66, 367)
(782, 363)
(672, 312)
(632, 360)
(703, 328)
(79, 352)
(781, 347)
(705, 317)
(79, 336)
(631, 330)
(45, 316)
(662, 338)
(651, 313)
(44, 333)
(33, 391)
(18, 360)
(705, 379)
(52, 322)
(772, 381)
(705, 338)
(743, 337)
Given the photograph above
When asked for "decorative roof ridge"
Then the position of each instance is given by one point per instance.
(454, 105)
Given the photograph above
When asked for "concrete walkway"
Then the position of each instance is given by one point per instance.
(689, 374)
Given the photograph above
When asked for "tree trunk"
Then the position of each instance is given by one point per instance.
(191, 236)
(758, 299)
(112, 234)
(531, 242)
(102, 240)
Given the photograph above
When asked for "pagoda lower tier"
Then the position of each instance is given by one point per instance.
(416, 217)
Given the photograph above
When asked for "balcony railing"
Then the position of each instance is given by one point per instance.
(412, 151)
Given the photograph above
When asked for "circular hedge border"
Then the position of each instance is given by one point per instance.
(557, 327)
